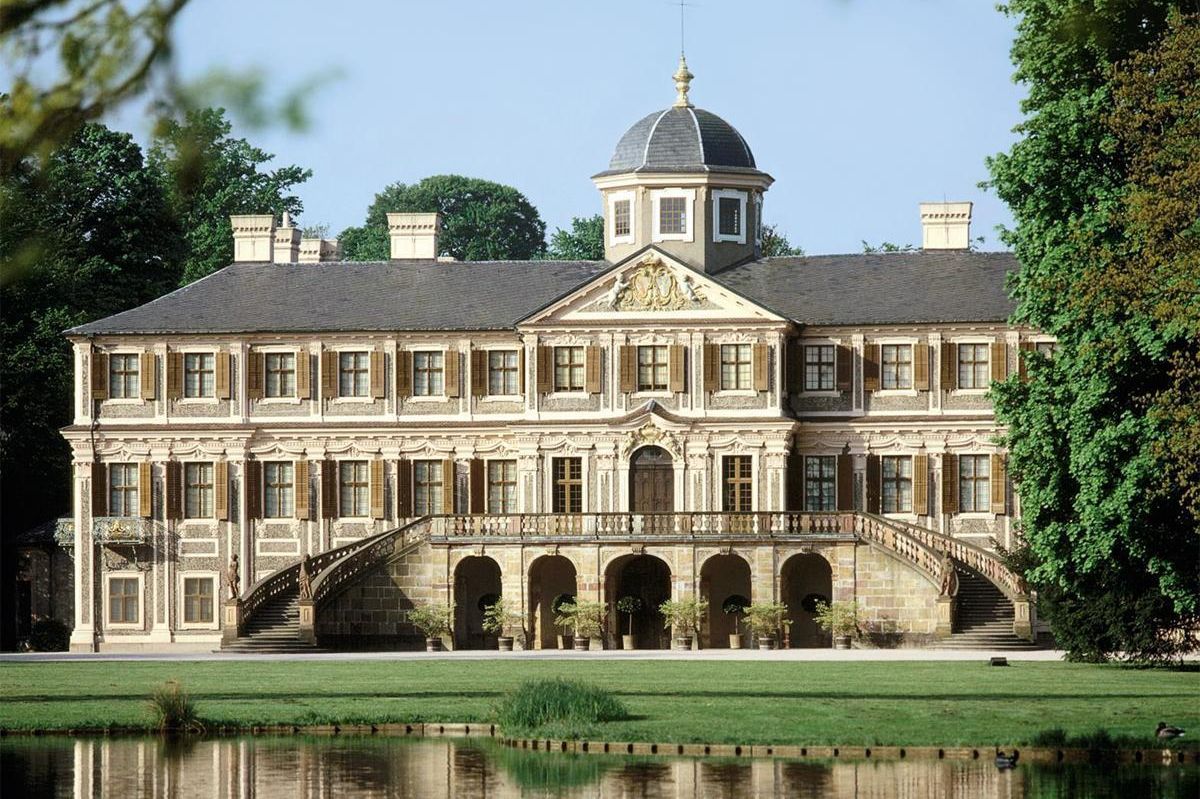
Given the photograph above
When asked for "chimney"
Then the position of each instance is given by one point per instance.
(414, 236)
(945, 226)
(287, 241)
(253, 237)
(317, 250)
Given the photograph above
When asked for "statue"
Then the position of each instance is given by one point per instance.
(949, 586)
(233, 578)
(688, 289)
(614, 294)
(305, 579)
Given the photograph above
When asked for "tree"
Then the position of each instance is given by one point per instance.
(583, 242)
(209, 175)
(885, 246)
(481, 220)
(775, 243)
(1103, 189)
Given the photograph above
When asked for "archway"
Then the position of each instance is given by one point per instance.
(805, 580)
(651, 481)
(551, 578)
(724, 578)
(649, 579)
(476, 585)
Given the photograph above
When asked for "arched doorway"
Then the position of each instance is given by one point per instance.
(651, 481)
(724, 579)
(551, 580)
(476, 585)
(804, 581)
(649, 579)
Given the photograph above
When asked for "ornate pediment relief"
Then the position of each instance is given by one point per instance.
(651, 285)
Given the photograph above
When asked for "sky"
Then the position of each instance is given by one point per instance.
(859, 109)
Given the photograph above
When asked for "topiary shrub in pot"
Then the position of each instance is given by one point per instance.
(503, 622)
(735, 606)
(586, 618)
(839, 619)
(434, 622)
(683, 617)
(766, 620)
(629, 605)
(565, 637)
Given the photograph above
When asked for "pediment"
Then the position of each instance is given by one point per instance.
(649, 287)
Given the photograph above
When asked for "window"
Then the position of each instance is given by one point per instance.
(354, 374)
(503, 373)
(737, 367)
(974, 370)
(123, 600)
(818, 367)
(1046, 348)
(427, 487)
(568, 368)
(197, 490)
(897, 483)
(568, 485)
(653, 369)
(622, 218)
(729, 216)
(820, 482)
(123, 489)
(672, 216)
(199, 374)
(281, 374)
(354, 484)
(502, 486)
(896, 366)
(737, 481)
(974, 483)
(123, 377)
(279, 495)
(428, 376)
(197, 600)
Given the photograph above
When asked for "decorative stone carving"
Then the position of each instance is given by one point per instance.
(652, 286)
(651, 435)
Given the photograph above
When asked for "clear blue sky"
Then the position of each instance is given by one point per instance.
(859, 109)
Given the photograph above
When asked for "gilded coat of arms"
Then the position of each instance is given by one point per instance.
(652, 286)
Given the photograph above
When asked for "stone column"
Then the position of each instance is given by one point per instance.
(83, 637)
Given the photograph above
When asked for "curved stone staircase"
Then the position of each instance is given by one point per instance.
(984, 618)
(274, 629)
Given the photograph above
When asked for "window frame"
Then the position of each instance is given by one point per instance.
(737, 485)
(821, 365)
(131, 492)
(611, 223)
(432, 506)
(903, 484)
(566, 489)
(737, 363)
(432, 373)
(214, 580)
(571, 367)
(822, 480)
(883, 364)
(360, 489)
(975, 458)
(294, 372)
(502, 507)
(515, 369)
(654, 366)
(135, 376)
(211, 371)
(356, 370)
(689, 197)
(187, 466)
(285, 492)
(139, 600)
(741, 198)
(977, 365)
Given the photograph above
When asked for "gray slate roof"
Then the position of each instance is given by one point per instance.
(890, 288)
(681, 140)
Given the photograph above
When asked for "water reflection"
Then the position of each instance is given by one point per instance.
(254, 768)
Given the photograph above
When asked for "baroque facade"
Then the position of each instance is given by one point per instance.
(685, 417)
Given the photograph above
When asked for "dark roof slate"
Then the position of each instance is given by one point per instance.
(681, 139)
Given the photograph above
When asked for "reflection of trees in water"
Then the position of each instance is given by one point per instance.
(472, 772)
(546, 772)
(643, 779)
(806, 780)
(725, 780)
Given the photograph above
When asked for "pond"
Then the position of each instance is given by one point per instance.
(265, 767)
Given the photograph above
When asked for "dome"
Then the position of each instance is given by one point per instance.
(681, 139)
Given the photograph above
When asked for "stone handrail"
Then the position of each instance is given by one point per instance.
(344, 571)
(894, 538)
(686, 525)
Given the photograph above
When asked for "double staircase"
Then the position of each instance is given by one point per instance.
(274, 629)
(984, 618)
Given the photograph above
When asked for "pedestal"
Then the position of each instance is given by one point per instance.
(308, 628)
(945, 617)
(231, 620)
(1022, 620)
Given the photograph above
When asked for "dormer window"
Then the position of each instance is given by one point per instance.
(673, 214)
(729, 216)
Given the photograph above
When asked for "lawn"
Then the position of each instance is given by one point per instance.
(846, 703)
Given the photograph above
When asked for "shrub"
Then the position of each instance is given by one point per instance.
(498, 619)
(629, 605)
(49, 635)
(839, 618)
(173, 709)
(557, 708)
(433, 621)
(683, 614)
(767, 618)
(586, 618)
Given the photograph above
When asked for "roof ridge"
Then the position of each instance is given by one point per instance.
(650, 137)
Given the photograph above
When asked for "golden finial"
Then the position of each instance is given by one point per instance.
(683, 80)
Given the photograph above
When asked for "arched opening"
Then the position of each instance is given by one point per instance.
(724, 580)
(476, 585)
(651, 481)
(551, 581)
(648, 579)
(806, 580)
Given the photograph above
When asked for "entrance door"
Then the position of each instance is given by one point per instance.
(652, 486)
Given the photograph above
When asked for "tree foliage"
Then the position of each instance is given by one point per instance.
(481, 220)
(775, 243)
(583, 242)
(1103, 187)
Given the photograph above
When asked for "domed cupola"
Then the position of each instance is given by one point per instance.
(684, 180)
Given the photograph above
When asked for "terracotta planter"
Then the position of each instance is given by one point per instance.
(582, 643)
(735, 641)
(505, 643)
(766, 642)
(683, 642)
(841, 642)
(628, 642)
(565, 641)
(433, 644)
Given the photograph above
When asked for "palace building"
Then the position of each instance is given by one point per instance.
(685, 418)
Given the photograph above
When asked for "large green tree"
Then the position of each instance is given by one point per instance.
(481, 220)
(583, 242)
(209, 175)
(1111, 546)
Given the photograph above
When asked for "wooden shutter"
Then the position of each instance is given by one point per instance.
(871, 367)
(592, 369)
(329, 493)
(1023, 348)
(255, 364)
(377, 374)
(403, 373)
(221, 359)
(676, 359)
(628, 368)
(254, 509)
(793, 366)
(794, 496)
(545, 369)
(949, 366)
(949, 484)
(221, 490)
(999, 360)
(301, 490)
(999, 484)
(149, 376)
(845, 482)
(174, 490)
(520, 370)
(845, 368)
(99, 369)
(874, 478)
(99, 489)
(479, 375)
(920, 484)
(921, 367)
(448, 486)
(303, 375)
(478, 486)
(712, 367)
(377, 489)
(761, 376)
(329, 374)
(145, 491)
(175, 375)
(404, 498)
(453, 369)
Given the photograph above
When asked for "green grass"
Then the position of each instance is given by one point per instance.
(847, 703)
(558, 708)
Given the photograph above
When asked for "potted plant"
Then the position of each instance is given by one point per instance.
(565, 637)
(765, 620)
(735, 606)
(586, 618)
(629, 605)
(502, 622)
(683, 616)
(434, 621)
(840, 619)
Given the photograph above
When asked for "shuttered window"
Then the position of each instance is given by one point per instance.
(502, 486)
(278, 490)
(502, 373)
(123, 377)
(354, 498)
(820, 482)
(653, 368)
(199, 375)
(819, 368)
(896, 366)
(974, 370)
(354, 374)
(570, 368)
(737, 483)
(429, 377)
(197, 600)
(198, 490)
(427, 487)
(737, 367)
(974, 481)
(568, 485)
(123, 489)
(124, 602)
(897, 483)
(281, 374)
